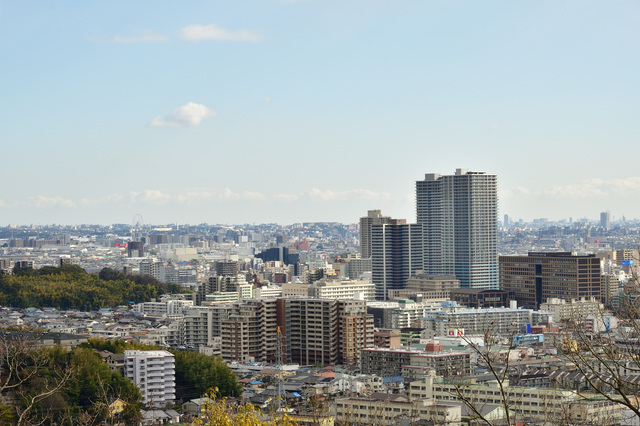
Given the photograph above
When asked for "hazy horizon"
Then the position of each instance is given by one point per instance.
(299, 111)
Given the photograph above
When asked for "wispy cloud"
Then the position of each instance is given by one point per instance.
(109, 199)
(285, 197)
(588, 188)
(331, 195)
(202, 196)
(212, 32)
(145, 36)
(42, 201)
(150, 196)
(189, 115)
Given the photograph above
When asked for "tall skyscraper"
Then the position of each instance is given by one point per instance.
(373, 217)
(396, 254)
(459, 218)
(605, 219)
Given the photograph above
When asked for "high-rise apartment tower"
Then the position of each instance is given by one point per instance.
(459, 218)
(373, 217)
(396, 255)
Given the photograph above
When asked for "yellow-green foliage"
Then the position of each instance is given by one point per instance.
(69, 288)
(217, 412)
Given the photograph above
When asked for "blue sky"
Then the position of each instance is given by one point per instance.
(289, 111)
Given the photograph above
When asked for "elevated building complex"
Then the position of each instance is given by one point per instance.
(459, 218)
(532, 280)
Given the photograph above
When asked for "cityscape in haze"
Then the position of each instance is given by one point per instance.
(320, 213)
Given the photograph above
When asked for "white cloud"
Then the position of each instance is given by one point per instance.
(285, 197)
(45, 202)
(229, 194)
(194, 196)
(251, 195)
(188, 115)
(367, 194)
(495, 126)
(326, 194)
(196, 32)
(361, 194)
(150, 196)
(145, 36)
(588, 188)
(109, 199)
(267, 99)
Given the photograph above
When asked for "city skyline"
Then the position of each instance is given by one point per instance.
(300, 111)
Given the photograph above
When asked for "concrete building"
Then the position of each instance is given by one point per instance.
(228, 267)
(267, 292)
(295, 290)
(390, 362)
(400, 314)
(385, 409)
(611, 289)
(459, 218)
(422, 287)
(346, 289)
(605, 220)
(356, 268)
(324, 331)
(574, 310)
(477, 321)
(396, 255)
(201, 325)
(153, 372)
(479, 298)
(250, 332)
(530, 404)
(532, 280)
(135, 249)
(153, 268)
(373, 217)
(386, 339)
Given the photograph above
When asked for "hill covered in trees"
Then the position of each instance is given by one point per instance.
(71, 287)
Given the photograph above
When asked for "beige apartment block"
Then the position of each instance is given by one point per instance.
(388, 409)
(536, 405)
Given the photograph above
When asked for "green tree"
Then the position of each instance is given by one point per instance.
(86, 392)
(196, 373)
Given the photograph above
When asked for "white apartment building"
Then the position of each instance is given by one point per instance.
(151, 308)
(165, 307)
(477, 321)
(400, 314)
(389, 410)
(346, 289)
(153, 372)
(533, 405)
(575, 310)
(267, 292)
